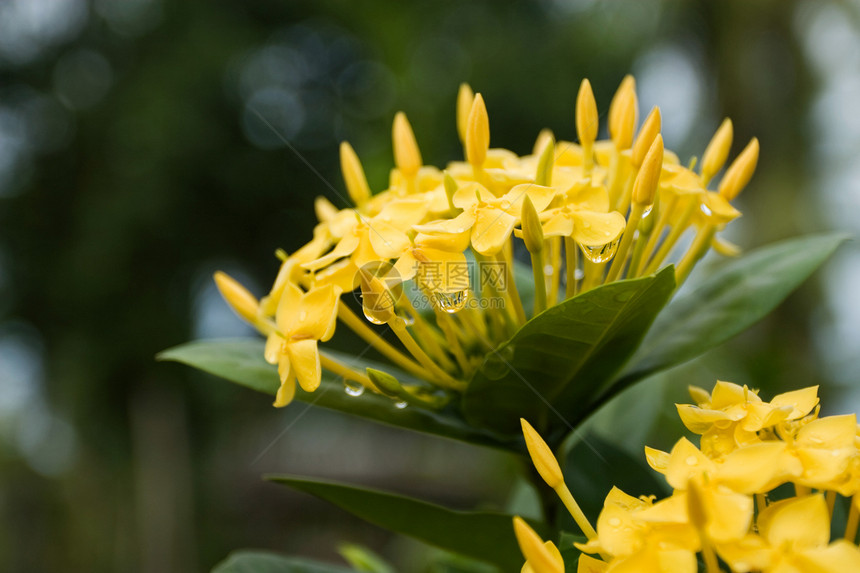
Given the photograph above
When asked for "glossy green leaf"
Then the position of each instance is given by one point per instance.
(736, 296)
(249, 561)
(563, 356)
(241, 361)
(485, 536)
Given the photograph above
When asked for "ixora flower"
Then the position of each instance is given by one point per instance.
(589, 213)
(725, 505)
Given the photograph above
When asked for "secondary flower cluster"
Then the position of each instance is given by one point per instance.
(588, 213)
(724, 505)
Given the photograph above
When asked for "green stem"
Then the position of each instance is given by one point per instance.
(439, 376)
(697, 250)
(346, 372)
(662, 222)
(540, 282)
(571, 254)
(678, 228)
(555, 279)
(368, 335)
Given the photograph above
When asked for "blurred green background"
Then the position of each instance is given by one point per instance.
(146, 143)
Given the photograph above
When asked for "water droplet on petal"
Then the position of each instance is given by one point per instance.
(547, 270)
(451, 302)
(353, 388)
(614, 522)
(601, 253)
(303, 315)
(692, 460)
(706, 210)
(371, 317)
(579, 274)
(505, 204)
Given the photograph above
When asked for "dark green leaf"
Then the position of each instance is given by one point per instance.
(241, 361)
(562, 356)
(486, 536)
(736, 296)
(363, 559)
(265, 562)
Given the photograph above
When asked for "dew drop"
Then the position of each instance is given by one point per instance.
(547, 270)
(353, 388)
(400, 405)
(706, 210)
(505, 204)
(600, 253)
(371, 317)
(408, 319)
(303, 315)
(579, 274)
(692, 460)
(647, 210)
(452, 302)
(614, 522)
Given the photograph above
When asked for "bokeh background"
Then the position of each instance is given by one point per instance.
(146, 143)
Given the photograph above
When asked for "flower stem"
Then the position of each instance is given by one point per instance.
(697, 250)
(540, 282)
(368, 335)
(346, 372)
(506, 256)
(555, 279)
(662, 222)
(575, 511)
(678, 228)
(853, 520)
(445, 322)
(438, 375)
(571, 254)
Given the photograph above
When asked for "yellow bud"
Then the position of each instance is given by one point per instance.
(717, 150)
(541, 559)
(542, 457)
(532, 230)
(407, 157)
(623, 113)
(645, 185)
(464, 107)
(545, 163)
(650, 129)
(477, 133)
(586, 114)
(740, 171)
(240, 300)
(376, 299)
(353, 175)
(324, 210)
(544, 137)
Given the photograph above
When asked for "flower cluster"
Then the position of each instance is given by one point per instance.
(724, 505)
(588, 213)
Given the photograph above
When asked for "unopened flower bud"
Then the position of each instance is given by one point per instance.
(645, 185)
(532, 230)
(240, 300)
(717, 151)
(532, 546)
(406, 153)
(623, 113)
(376, 298)
(740, 171)
(542, 457)
(546, 162)
(353, 175)
(464, 107)
(477, 133)
(586, 115)
(650, 128)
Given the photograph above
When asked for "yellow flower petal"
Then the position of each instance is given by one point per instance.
(831, 432)
(699, 420)
(802, 401)
(595, 229)
(838, 557)
(274, 346)
(540, 196)
(685, 461)
(344, 248)
(288, 308)
(387, 240)
(588, 564)
(317, 314)
(305, 361)
(468, 194)
(492, 228)
(754, 469)
(804, 521)
(559, 225)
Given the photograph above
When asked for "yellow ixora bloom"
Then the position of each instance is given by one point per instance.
(724, 505)
(624, 204)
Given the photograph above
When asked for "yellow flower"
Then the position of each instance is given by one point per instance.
(794, 537)
(584, 216)
(302, 320)
(732, 415)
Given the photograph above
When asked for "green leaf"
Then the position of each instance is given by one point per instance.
(563, 356)
(486, 536)
(241, 361)
(736, 296)
(363, 559)
(265, 562)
